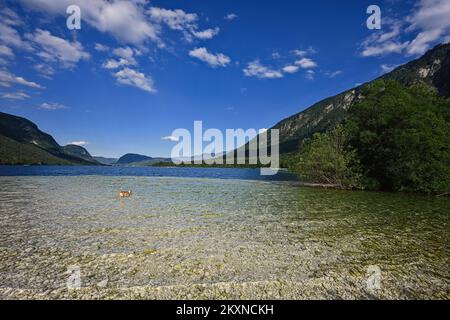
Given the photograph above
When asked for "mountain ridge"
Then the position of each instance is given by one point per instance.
(132, 158)
(104, 160)
(79, 152)
(24, 143)
(136, 160)
(432, 69)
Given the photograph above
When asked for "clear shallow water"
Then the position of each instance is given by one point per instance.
(185, 237)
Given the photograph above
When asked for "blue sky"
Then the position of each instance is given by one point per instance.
(137, 70)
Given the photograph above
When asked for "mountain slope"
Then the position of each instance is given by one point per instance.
(137, 160)
(107, 161)
(79, 152)
(23, 143)
(17, 153)
(432, 69)
(24, 131)
(131, 158)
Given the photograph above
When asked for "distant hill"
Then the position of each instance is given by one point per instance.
(25, 131)
(151, 162)
(79, 152)
(107, 161)
(13, 152)
(138, 160)
(131, 158)
(23, 143)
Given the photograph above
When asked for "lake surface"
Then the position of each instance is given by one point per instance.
(214, 233)
(211, 173)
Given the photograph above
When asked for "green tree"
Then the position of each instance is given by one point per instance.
(402, 137)
(327, 159)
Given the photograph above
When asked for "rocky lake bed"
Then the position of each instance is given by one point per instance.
(72, 237)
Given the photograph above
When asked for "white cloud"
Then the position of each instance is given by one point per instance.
(170, 138)
(306, 63)
(8, 34)
(9, 17)
(310, 74)
(136, 79)
(111, 64)
(384, 42)
(303, 53)
(80, 143)
(188, 36)
(51, 106)
(124, 20)
(44, 70)
(384, 48)
(206, 34)
(126, 58)
(132, 22)
(333, 74)
(385, 68)
(422, 42)
(432, 19)
(125, 53)
(15, 96)
(300, 53)
(55, 49)
(7, 79)
(386, 36)
(181, 21)
(114, 64)
(6, 51)
(256, 69)
(429, 24)
(290, 69)
(231, 16)
(174, 19)
(101, 47)
(213, 60)
(276, 55)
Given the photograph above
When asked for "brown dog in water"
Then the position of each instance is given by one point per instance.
(125, 194)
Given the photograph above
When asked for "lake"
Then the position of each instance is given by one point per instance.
(199, 233)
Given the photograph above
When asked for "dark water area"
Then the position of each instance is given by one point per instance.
(187, 172)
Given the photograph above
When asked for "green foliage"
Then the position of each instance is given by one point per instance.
(402, 137)
(21, 142)
(16, 153)
(327, 159)
(395, 139)
(78, 152)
